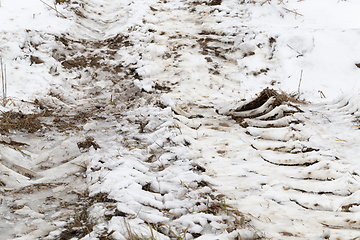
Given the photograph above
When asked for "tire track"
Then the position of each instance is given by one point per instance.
(287, 165)
(40, 184)
(302, 176)
(43, 173)
(289, 180)
(100, 69)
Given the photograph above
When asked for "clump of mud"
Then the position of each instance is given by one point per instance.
(208, 3)
(267, 101)
(265, 95)
(215, 2)
(89, 141)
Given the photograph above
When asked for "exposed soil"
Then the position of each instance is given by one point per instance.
(264, 95)
(19, 121)
(103, 95)
(89, 142)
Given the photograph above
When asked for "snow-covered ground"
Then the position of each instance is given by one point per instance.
(136, 118)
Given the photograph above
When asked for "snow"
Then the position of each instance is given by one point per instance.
(144, 132)
(320, 41)
(18, 20)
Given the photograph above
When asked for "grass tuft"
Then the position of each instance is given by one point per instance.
(19, 121)
(3, 82)
(280, 98)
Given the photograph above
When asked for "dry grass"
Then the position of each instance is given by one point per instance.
(19, 122)
(57, 12)
(82, 224)
(131, 235)
(80, 227)
(3, 82)
(269, 2)
(62, 1)
(31, 123)
(280, 98)
(89, 141)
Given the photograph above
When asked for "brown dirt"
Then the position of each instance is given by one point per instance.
(89, 142)
(20, 122)
(264, 95)
(207, 49)
(117, 42)
(215, 2)
(35, 60)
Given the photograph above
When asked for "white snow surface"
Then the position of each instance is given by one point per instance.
(162, 84)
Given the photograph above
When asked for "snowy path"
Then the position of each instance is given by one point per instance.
(111, 159)
(299, 180)
(297, 175)
(143, 132)
(38, 177)
(43, 174)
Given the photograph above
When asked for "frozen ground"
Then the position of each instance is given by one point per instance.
(127, 119)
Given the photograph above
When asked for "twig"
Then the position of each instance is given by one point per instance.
(300, 54)
(300, 83)
(2, 75)
(3, 82)
(183, 238)
(57, 13)
(24, 168)
(53, 9)
(178, 127)
(178, 237)
(322, 95)
(156, 142)
(80, 165)
(293, 11)
(151, 230)
(267, 1)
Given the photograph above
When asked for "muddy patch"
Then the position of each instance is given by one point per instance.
(268, 110)
(87, 143)
(265, 95)
(17, 121)
(214, 46)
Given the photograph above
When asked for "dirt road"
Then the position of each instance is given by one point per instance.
(150, 129)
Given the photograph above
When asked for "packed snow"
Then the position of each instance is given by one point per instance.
(196, 119)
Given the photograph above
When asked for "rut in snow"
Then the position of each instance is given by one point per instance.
(97, 127)
(114, 156)
(304, 168)
(44, 156)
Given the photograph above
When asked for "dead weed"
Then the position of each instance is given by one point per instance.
(80, 227)
(89, 142)
(31, 123)
(280, 98)
(19, 121)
